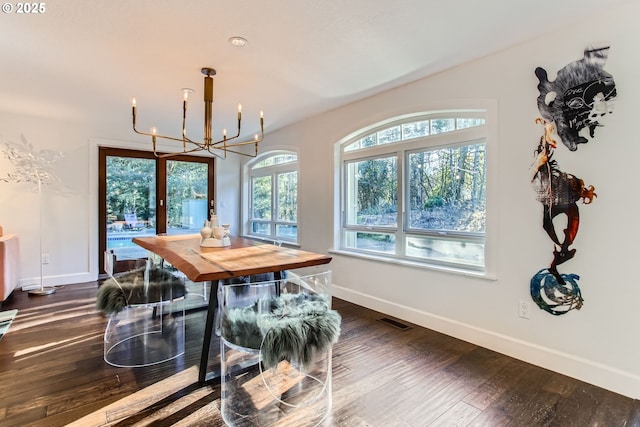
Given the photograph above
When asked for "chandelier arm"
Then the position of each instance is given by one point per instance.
(226, 140)
(228, 150)
(178, 153)
(240, 144)
(235, 144)
(201, 145)
(159, 136)
(229, 138)
(216, 155)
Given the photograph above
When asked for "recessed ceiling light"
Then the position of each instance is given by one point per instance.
(238, 41)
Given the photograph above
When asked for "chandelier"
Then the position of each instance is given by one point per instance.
(218, 148)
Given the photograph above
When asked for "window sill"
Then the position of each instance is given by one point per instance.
(271, 241)
(414, 264)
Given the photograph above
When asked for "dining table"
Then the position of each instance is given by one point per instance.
(243, 257)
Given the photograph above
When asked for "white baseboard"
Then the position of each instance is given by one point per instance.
(600, 375)
(67, 279)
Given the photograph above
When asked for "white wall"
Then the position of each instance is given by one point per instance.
(65, 207)
(595, 344)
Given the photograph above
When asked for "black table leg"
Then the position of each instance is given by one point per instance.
(208, 332)
(277, 277)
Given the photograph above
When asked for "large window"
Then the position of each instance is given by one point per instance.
(415, 189)
(273, 197)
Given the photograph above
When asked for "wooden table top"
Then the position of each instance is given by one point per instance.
(244, 257)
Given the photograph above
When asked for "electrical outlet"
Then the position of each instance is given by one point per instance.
(524, 309)
(45, 258)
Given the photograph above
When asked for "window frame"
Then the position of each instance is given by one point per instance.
(272, 171)
(401, 150)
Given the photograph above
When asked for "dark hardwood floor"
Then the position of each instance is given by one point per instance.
(52, 373)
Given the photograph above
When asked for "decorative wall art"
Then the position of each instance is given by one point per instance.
(571, 107)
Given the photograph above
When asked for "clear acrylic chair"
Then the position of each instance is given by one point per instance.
(275, 350)
(146, 311)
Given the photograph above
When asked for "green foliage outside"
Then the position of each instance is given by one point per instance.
(185, 181)
(446, 189)
(377, 193)
(131, 189)
(261, 202)
(287, 197)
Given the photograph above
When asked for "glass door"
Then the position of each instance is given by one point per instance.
(142, 195)
(187, 201)
(129, 203)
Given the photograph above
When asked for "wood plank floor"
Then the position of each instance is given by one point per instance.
(53, 373)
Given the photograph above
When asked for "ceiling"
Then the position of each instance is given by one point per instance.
(85, 60)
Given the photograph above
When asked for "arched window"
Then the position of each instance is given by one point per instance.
(272, 197)
(414, 189)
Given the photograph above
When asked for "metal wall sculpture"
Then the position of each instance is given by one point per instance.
(571, 108)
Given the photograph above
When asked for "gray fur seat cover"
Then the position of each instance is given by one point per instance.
(129, 289)
(297, 327)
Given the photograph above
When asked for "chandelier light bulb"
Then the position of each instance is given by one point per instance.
(186, 91)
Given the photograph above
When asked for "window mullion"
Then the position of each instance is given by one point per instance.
(274, 203)
(400, 202)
